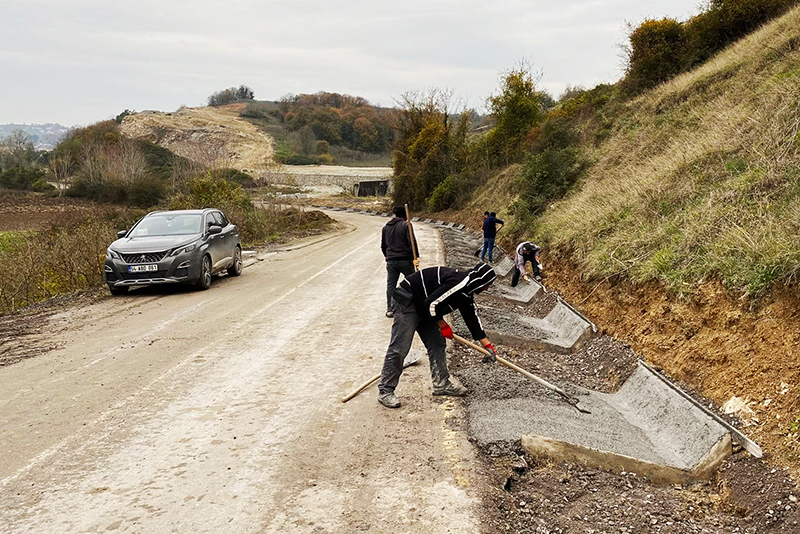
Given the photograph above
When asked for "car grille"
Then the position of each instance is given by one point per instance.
(144, 276)
(144, 257)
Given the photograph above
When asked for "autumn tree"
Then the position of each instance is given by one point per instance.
(516, 109)
(427, 149)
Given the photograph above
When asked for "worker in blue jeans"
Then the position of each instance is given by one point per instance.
(489, 233)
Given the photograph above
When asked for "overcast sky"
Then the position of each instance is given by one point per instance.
(76, 62)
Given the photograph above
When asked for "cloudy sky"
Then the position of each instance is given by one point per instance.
(76, 62)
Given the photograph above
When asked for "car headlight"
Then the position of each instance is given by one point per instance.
(181, 250)
(111, 255)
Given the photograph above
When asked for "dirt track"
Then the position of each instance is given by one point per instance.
(219, 411)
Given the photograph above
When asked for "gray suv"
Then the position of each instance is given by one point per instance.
(185, 246)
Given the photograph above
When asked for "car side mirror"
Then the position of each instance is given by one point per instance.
(214, 229)
(122, 233)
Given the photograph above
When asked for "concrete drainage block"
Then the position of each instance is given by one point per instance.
(645, 428)
(523, 293)
(563, 330)
(504, 267)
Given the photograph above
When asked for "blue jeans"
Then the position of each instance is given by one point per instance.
(393, 271)
(406, 322)
(488, 246)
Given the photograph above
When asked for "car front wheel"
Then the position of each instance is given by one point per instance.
(236, 268)
(204, 282)
(118, 290)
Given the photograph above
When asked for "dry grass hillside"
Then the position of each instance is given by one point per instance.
(684, 237)
(702, 173)
(212, 137)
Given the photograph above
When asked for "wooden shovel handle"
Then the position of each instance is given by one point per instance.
(361, 387)
(411, 236)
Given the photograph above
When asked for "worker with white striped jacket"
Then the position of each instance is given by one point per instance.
(421, 302)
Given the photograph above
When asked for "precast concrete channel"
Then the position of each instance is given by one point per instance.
(645, 427)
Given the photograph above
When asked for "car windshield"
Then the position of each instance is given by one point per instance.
(168, 224)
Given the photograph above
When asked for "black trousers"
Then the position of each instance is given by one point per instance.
(517, 273)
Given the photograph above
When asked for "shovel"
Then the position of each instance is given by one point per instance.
(573, 401)
(411, 358)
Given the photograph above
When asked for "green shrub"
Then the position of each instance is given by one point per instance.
(41, 185)
(21, 178)
(299, 159)
(146, 192)
(548, 176)
(552, 168)
(657, 49)
(726, 21)
(119, 118)
(234, 175)
(256, 225)
(444, 195)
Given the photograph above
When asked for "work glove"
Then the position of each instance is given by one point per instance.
(492, 356)
(446, 331)
(416, 263)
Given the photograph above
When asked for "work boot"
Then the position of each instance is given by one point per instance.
(451, 389)
(389, 314)
(389, 400)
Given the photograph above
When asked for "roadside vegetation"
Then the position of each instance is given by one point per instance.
(66, 257)
(695, 179)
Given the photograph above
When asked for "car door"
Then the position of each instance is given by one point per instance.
(222, 255)
(216, 242)
(231, 235)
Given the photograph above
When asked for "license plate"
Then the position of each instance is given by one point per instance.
(141, 268)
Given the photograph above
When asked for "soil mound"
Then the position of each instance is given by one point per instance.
(213, 137)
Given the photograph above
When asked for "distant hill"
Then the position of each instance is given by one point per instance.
(211, 136)
(43, 136)
(326, 128)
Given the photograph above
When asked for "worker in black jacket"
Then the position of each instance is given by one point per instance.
(396, 248)
(421, 302)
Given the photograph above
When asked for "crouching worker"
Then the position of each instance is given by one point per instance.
(526, 252)
(421, 301)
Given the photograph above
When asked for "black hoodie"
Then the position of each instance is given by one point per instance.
(395, 244)
(437, 291)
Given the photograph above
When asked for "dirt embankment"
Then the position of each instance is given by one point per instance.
(209, 136)
(714, 344)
